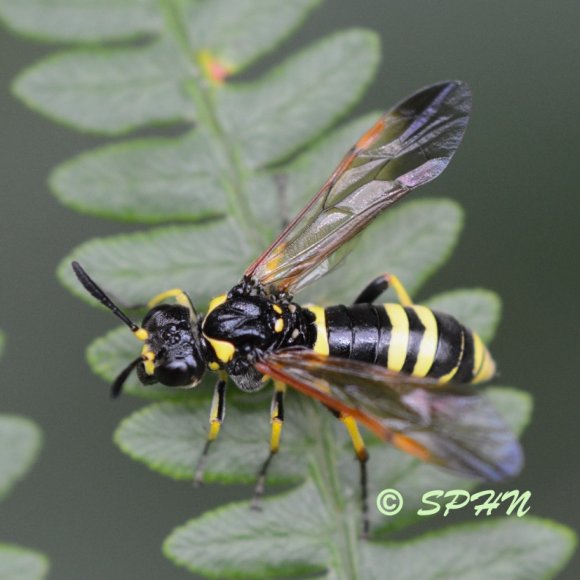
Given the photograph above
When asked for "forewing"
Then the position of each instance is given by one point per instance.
(408, 146)
(451, 426)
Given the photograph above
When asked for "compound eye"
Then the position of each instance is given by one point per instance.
(178, 373)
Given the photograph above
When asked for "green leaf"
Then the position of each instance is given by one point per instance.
(203, 259)
(411, 241)
(157, 180)
(288, 545)
(81, 20)
(514, 406)
(109, 91)
(18, 563)
(169, 437)
(478, 309)
(271, 118)
(502, 549)
(2, 343)
(236, 32)
(312, 541)
(20, 442)
(146, 180)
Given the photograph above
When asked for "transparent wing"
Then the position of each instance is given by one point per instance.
(454, 427)
(408, 146)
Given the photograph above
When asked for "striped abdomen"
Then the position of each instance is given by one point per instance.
(413, 340)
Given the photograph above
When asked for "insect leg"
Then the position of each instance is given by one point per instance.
(180, 296)
(276, 420)
(362, 456)
(379, 285)
(216, 417)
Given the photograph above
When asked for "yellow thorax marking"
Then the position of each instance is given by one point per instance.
(217, 301)
(279, 324)
(223, 350)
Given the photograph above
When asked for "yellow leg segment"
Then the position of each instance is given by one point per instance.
(276, 421)
(218, 407)
(399, 289)
(355, 436)
(216, 417)
(362, 456)
(277, 415)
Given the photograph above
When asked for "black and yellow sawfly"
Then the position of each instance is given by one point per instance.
(399, 369)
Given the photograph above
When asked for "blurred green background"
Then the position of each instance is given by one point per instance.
(99, 515)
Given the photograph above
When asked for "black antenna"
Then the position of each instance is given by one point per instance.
(117, 386)
(94, 290)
